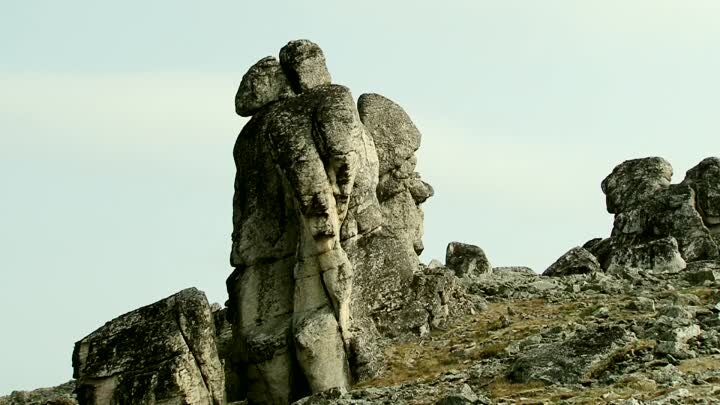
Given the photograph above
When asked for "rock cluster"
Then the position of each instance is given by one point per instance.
(466, 260)
(327, 230)
(659, 226)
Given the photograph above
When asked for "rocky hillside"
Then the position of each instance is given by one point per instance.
(329, 303)
(588, 338)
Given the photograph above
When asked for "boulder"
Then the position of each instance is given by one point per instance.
(466, 260)
(304, 64)
(648, 208)
(264, 83)
(601, 249)
(161, 353)
(576, 261)
(464, 395)
(634, 181)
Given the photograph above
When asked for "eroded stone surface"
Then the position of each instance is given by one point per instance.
(161, 353)
(304, 64)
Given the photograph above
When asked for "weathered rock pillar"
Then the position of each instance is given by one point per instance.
(318, 245)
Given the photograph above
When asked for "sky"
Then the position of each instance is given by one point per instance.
(117, 126)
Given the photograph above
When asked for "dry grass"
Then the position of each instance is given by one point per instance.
(483, 336)
(700, 364)
(488, 334)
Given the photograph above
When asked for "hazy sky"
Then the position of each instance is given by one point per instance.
(117, 126)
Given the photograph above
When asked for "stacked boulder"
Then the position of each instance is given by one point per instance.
(659, 226)
(327, 229)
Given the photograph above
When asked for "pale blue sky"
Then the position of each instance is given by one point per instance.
(117, 128)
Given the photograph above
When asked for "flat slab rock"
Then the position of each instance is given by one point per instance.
(163, 353)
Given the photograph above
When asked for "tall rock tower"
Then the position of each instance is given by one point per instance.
(327, 229)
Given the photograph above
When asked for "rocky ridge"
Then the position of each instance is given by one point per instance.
(329, 303)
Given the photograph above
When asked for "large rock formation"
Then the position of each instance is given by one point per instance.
(159, 354)
(327, 229)
(648, 208)
(659, 226)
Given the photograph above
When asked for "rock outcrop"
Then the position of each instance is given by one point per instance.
(158, 354)
(647, 207)
(327, 227)
(659, 226)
